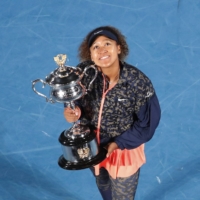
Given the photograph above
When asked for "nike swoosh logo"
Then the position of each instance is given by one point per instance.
(149, 94)
(122, 99)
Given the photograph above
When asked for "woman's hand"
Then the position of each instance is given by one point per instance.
(72, 115)
(111, 147)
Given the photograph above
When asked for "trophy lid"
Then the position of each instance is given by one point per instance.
(63, 74)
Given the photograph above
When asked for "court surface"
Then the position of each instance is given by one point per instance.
(164, 41)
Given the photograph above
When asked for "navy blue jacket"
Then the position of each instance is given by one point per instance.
(131, 111)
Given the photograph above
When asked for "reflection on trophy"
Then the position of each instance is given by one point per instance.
(79, 144)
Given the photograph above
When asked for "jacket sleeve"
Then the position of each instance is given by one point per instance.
(143, 128)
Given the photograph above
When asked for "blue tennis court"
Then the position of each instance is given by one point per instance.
(164, 42)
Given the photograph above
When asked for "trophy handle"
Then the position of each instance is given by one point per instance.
(40, 94)
(96, 72)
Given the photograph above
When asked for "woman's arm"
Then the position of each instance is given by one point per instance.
(144, 128)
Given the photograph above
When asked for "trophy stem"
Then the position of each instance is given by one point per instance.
(70, 104)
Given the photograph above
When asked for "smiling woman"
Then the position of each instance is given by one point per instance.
(122, 108)
(104, 53)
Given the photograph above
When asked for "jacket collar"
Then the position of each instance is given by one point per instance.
(123, 74)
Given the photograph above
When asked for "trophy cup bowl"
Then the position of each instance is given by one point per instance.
(79, 143)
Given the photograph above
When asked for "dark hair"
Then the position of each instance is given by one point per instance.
(84, 50)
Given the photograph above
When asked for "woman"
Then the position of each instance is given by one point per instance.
(122, 108)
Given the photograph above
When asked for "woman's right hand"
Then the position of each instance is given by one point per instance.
(72, 115)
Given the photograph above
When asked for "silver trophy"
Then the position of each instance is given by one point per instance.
(79, 144)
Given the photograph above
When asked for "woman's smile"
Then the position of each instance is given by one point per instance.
(104, 57)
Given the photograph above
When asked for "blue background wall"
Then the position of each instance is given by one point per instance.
(164, 40)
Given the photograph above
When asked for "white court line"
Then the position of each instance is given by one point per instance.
(31, 150)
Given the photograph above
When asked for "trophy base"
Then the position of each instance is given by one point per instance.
(63, 163)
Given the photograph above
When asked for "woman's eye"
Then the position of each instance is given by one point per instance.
(107, 43)
(95, 47)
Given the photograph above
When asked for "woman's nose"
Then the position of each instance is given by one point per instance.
(102, 49)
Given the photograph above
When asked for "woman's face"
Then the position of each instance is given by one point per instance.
(104, 52)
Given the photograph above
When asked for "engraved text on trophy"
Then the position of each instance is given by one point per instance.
(70, 92)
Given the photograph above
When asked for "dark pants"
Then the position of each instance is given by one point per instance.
(116, 189)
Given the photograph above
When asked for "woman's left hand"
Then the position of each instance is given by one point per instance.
(111, 147)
